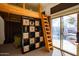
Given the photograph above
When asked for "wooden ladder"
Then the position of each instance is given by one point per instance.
(47, 33)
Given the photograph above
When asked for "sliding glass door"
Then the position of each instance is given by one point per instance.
(64, 31)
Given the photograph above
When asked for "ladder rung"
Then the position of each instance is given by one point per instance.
(46, 25)
(44, 17)
(48, 32)
(50, 47)
(48, 36)
(50, 44)
(49, 40)
(47, 29)
(45, 20)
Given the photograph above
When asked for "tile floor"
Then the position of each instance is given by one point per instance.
(10, 50)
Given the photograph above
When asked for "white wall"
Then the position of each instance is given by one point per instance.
(47, 11)
(48, 6)
(2, 36)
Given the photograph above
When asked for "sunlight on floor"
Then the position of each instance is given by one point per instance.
(67, 46)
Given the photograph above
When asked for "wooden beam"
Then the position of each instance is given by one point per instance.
(24, 5)
(19, 11)
(40, 9)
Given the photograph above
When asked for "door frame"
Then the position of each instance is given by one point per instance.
(61, 40)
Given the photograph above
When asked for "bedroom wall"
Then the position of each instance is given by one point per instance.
(2, 36)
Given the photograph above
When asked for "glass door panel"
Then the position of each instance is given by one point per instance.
(56, 32)
(69, 33)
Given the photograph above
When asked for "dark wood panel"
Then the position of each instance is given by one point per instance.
(62, 6)
(10, 17)
(11, 29)
(12, 25)
(78, 28)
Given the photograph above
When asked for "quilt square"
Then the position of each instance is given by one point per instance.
(41, 33)
(42, 44)
(38, 28)
(37, 45)
(32, 22)
(41, 39)
(37, 39)
(37, 23)
(25, 35)
(32, 29)
(26, 48)
(32, 34)
(32, 40)
(36, 34)
(25, 22)
(25, 28)
(32, 46)
(26, 42)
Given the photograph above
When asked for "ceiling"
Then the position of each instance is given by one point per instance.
(48, 5)
(34, 6)
(44, 5)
